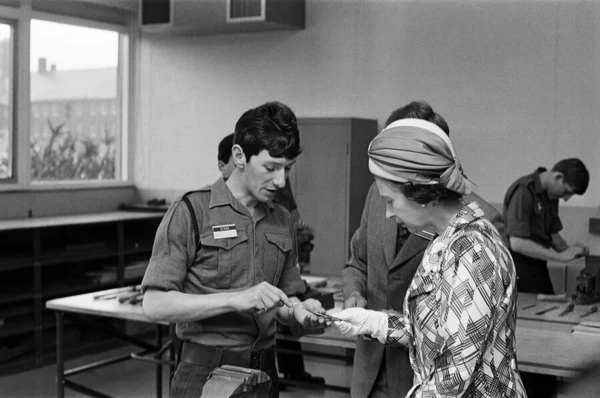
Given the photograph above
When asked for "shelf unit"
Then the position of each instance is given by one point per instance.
(50, 257)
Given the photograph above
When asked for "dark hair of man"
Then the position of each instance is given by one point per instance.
(271, 126)
(418, 110)
(574, 173)
(225, 145)
(422, 193)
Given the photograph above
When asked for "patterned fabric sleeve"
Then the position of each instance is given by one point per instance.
(470, 290)
(397, 333)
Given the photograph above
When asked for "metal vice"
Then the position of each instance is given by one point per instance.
(588, 282)
(238, 382)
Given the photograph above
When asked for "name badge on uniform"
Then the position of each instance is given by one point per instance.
(224, 231)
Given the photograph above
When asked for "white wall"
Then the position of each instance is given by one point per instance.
(517, 81)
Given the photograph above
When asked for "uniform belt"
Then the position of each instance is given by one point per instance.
(213, 357)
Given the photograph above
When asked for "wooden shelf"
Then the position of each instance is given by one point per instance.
(6, 297)
(15, 330)
(51, 257)
(58, 257)
(17, 261)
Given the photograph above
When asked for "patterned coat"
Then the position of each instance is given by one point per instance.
(461, 306)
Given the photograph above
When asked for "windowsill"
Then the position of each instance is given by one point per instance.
(65, 186)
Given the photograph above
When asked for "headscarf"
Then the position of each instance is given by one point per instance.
(418, 151)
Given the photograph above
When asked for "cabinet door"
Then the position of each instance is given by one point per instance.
(321, 190)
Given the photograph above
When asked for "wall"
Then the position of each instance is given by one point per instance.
(516, 80)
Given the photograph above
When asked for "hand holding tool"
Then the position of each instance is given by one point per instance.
(567, 309)
(323, 315)
(546, 310)
(590, 312)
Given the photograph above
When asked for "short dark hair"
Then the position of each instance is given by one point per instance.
(574, 173)
(225, 145)
(418, 110)
(272, 127)
(422, 193)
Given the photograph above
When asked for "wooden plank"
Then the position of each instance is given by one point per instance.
(43, 222)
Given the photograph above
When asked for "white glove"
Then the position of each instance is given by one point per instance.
(357, 321)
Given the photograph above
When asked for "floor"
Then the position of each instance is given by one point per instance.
(128, 379)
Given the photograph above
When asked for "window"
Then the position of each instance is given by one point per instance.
(6, 101)
(75, 63)
(79, 57)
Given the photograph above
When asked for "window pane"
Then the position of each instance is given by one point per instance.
(74, 73)
(6, 102)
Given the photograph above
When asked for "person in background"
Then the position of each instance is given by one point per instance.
(223, 265)
(384, 258)
(532, 223)
(290, 365)
(459, 313)
(532, 227)
(225, 161)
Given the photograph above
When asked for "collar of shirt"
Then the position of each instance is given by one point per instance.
(220, 195)
(466, 215)
(435, 252)
(537, 183)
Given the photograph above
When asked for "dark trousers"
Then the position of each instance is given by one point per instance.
(290, 364)
(539, 386)
(197, 361)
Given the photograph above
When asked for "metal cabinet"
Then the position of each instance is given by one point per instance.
(330, 181)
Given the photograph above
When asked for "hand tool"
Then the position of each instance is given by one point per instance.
(327, 317)
(127, 296)
(546, 310)
(112, 295)
(558, 298)
(590, 312)
(528, 306)
(567, 309)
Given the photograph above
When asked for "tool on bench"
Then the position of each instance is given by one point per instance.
(556, 298)
(528, 306)
(567, 309)
(113, 294)
(591, 311)
(546, 310)
(131, 294)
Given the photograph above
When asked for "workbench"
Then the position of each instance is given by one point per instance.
(545, 343)
(105, 304)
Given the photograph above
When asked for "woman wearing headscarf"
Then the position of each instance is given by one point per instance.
(459, 313)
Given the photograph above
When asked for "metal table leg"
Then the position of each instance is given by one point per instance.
(60, 360)
(158, 365)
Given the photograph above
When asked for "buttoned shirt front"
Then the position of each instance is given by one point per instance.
(461, 314)
(263, 249)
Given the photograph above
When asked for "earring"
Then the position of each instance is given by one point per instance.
(423, 205)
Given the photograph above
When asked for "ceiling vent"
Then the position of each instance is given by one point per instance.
(246, 11)
(206, 17)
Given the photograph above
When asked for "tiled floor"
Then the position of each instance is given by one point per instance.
(130, 379)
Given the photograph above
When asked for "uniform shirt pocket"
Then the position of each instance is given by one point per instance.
(223, 262)
(279, 244)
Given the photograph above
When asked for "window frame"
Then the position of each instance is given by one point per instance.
(20, 18)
